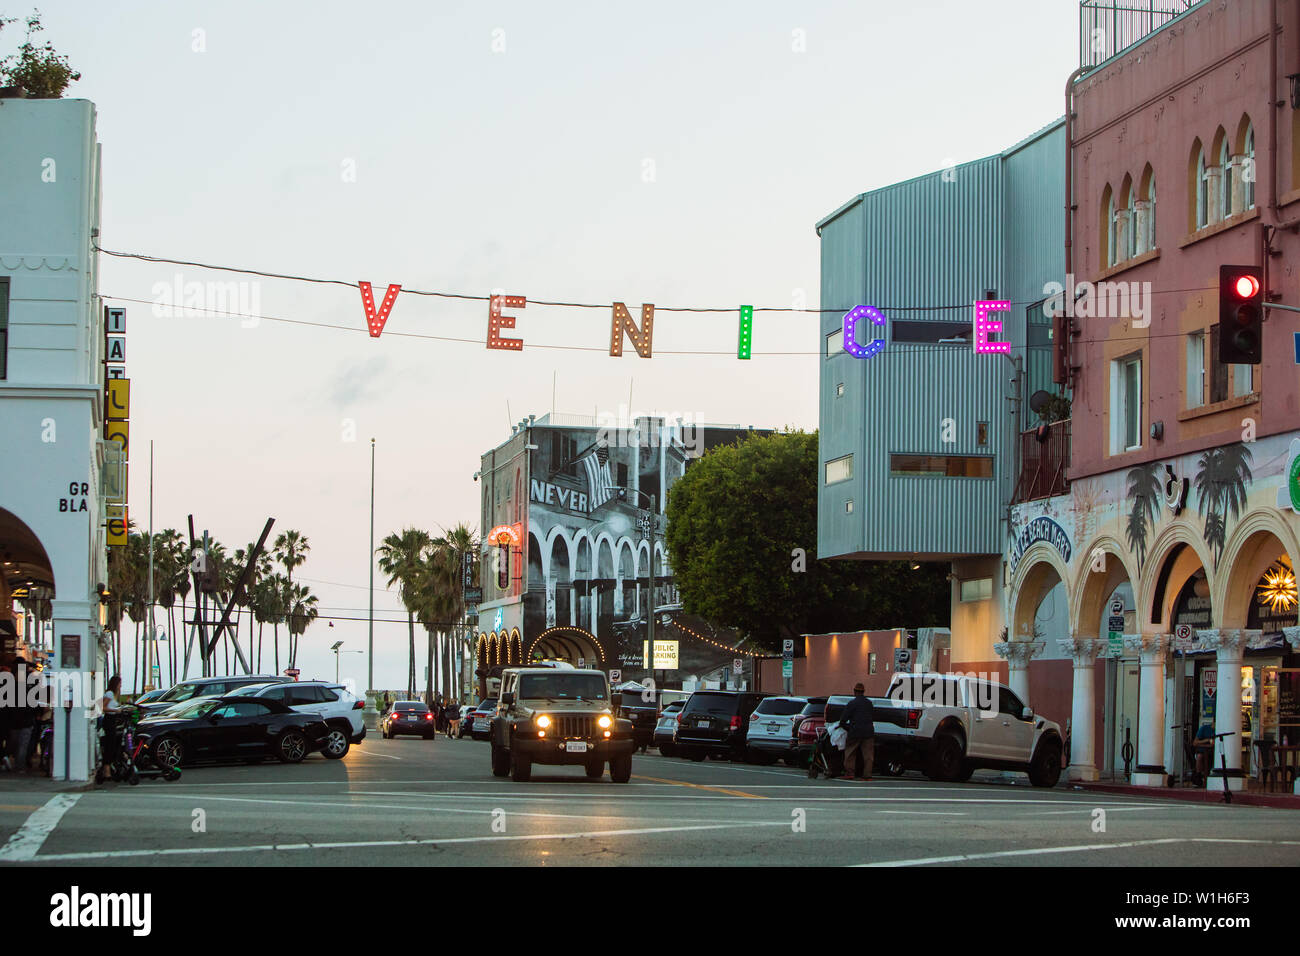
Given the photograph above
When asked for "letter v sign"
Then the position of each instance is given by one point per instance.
(374, 319)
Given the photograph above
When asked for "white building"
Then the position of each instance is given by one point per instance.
(52, 341)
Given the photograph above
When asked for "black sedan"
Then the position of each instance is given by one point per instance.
(410, 717)
(220, 728)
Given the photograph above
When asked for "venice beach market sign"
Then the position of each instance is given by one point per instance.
(1041, 529)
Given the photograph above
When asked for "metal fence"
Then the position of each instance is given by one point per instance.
(1043, 461)
(1107, 27)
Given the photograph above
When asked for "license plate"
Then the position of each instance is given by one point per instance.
(703, 722)
(575, 746)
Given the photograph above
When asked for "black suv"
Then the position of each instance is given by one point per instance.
(715, 722)
(206, 687)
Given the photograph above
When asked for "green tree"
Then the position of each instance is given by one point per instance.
(39, 70)
(401, 557)
(739, 521)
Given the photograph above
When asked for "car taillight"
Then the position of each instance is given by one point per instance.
(735, 722)
(678, 718)
(913, 718)
(359, 705)
(428, 716)
(753, 716)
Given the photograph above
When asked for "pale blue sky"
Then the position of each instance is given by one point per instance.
(475, 169)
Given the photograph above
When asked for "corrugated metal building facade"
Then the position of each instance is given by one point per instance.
(923, 251)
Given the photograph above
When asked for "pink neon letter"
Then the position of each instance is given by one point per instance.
(984, 325)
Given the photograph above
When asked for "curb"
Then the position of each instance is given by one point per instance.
(1239, 798)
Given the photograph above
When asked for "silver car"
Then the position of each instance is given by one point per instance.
(771, 735)
(666, 725)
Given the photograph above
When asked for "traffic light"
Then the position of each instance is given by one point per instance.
(1241, 315)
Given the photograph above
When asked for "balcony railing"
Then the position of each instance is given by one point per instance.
(1043, 460)
(1108, 27)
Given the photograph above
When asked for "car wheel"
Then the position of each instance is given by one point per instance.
(620, 769)
(521, 767)
(595, 769)
(1045, 768)
(500, 761)
(337, 744)
(168, 752)
(945, 758)
(965, 773)
(666, 750)
(291, 747)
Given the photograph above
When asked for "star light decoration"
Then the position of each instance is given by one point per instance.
(1279, 588)
(376, 319)
(851, 320)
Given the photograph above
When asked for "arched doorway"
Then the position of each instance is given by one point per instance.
(26, 577)
(567, 643)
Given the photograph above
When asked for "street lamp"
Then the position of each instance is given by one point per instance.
(335, 648)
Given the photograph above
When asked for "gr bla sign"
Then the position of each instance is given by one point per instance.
(1040, 529)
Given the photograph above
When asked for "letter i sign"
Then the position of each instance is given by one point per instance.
(375, 320)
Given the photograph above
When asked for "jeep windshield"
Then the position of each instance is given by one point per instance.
(561, 686)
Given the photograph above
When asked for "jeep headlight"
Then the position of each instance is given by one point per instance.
(604, 721)
(543, 721)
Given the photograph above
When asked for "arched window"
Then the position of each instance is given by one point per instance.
(1108, 257)
(1144, 213)
(1249, 171)
(1199, 191)
(1127, 216)
(1226, 175)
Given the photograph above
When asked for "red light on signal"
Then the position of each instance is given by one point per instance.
(1246, 287)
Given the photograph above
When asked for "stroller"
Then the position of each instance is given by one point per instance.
(827, 759)
(126, 756)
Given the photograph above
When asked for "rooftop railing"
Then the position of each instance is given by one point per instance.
(1108, 27)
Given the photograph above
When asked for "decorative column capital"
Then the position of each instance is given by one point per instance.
(1292, 635)
(1150, 647)
(1083, 651)
(1019, 653)
(1227, 642)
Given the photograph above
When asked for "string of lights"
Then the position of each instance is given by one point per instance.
(907, 348)
(733, 650)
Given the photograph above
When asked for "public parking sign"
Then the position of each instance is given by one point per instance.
(787, 668)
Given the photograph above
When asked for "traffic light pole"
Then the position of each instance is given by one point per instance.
(1279, 305)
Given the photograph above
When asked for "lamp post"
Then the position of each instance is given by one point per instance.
(371, 712)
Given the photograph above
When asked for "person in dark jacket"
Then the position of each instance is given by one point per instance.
(859, 720)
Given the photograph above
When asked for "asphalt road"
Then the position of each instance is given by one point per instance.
(415, 802)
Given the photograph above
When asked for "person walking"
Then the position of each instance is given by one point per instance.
(453, 720)
(859, 721)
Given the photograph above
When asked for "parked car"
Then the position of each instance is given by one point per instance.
(771, 734)
(206, 687)
(214, 728)
(466, 719)
(644, 715)
(949, 726)
(812, 724)
(149, 696)
(342, 710)
(480, 718)
(410, 718)
(666, 726)
(715, 722)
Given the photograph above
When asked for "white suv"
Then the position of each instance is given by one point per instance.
(341, 710)
(771, 735)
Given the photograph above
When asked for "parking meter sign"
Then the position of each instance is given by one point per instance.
(615, 676)
(787, 650)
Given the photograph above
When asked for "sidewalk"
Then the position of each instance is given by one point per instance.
(1244, 798)
(37, 782)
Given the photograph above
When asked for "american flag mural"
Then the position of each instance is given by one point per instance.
(599, 483)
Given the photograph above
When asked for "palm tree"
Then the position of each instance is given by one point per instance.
(302, 611)
(262, 568)
(275, 595)
(291, 549)
(1144, 488)
(1222, 477)
(400, 557)
(463, 544)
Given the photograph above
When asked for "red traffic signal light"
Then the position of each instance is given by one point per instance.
(1241, 315)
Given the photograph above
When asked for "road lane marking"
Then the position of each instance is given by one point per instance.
(700, 786)
(365, 844)
(1083, 848)
(29, 837)
(927, 813)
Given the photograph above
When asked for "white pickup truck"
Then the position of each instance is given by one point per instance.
(950, 725)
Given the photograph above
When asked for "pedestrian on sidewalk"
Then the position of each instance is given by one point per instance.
(859, 720)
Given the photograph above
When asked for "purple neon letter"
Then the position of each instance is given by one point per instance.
(851, 319)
